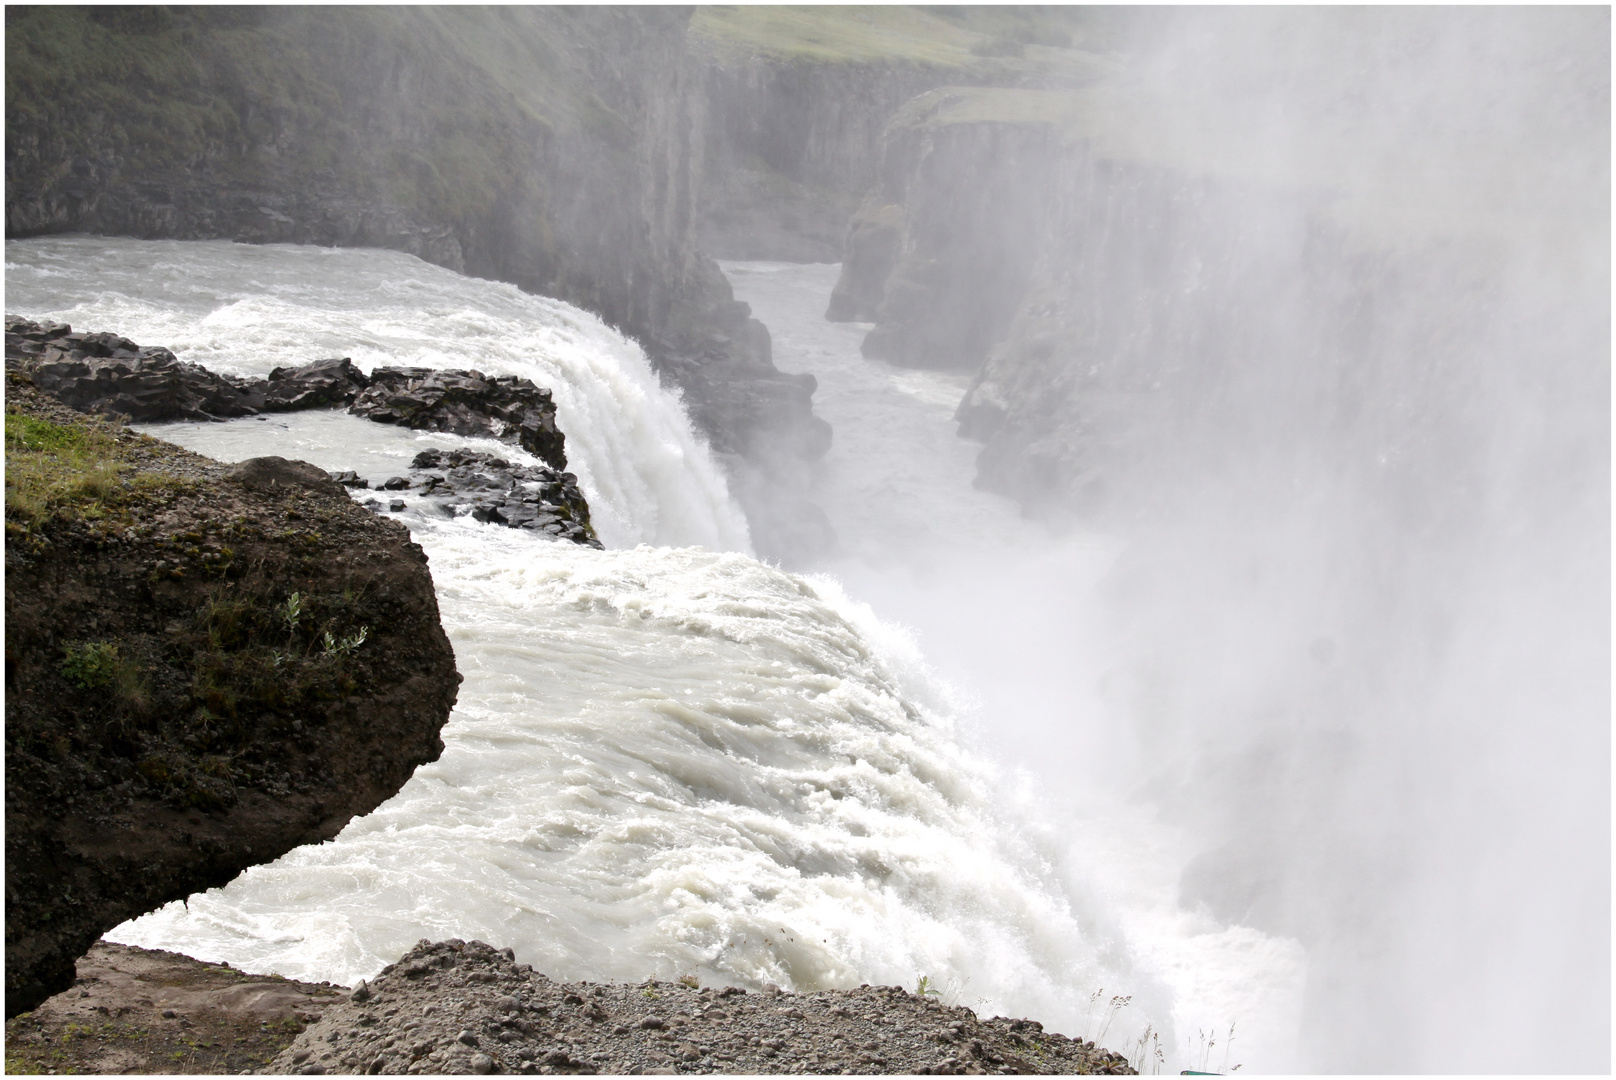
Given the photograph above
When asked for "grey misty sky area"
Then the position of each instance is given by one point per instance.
(1261, 487)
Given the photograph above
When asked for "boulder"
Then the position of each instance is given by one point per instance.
(322, 383)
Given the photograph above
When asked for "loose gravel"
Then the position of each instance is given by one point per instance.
(466, 1007)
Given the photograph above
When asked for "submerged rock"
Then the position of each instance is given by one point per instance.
(493, 490)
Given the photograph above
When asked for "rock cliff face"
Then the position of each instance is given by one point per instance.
(555, 148)
(791, 148)
(939, 253)
(795, 101)
(206, 666)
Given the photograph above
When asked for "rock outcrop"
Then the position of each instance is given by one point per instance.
(465, 403)
(111, 375)
(206, 666)
(464, 1007)
(493, 490)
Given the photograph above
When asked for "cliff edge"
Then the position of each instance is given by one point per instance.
(206, 666)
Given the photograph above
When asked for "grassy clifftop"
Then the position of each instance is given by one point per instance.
(961, 37)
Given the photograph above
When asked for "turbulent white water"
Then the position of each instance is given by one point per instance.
(241, 309)
(1010, 613)
(670, 760)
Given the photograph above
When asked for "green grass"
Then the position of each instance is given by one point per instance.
(941, 36)
(989, 104)
(71, 471)
(838, 34)
(55, 469)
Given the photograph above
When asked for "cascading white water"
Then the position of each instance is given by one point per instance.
(240, 309)
(1010, 612)
(676, 760)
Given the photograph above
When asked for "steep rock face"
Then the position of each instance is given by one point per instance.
(356, 128)
(939, 253)
(795, 101)
(791, 147)
(555, 148)
(205, 667)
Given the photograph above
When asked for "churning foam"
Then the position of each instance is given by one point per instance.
(664, 760)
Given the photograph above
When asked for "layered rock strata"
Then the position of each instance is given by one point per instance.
(464, 1007)
(206, 666)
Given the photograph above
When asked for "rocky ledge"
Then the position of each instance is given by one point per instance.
(206, 666)
(108, 374)
(465, 1007)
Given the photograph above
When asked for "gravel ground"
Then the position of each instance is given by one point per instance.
(466, 1007)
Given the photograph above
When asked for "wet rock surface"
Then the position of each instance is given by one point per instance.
(109, 374)
(206, 666)
(466, 403)
(465, 1007)
(491, 489)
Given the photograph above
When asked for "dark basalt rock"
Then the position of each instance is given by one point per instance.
(310, 386)
(111, 375)
(466, 403)
(108, 374)
(493, 490)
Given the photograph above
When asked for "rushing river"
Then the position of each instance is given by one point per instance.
(670, 758)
